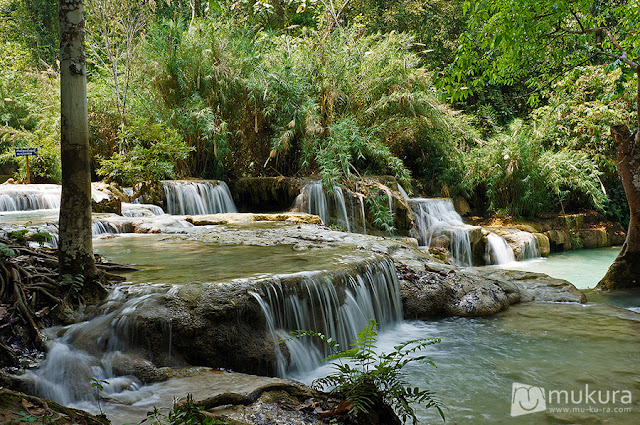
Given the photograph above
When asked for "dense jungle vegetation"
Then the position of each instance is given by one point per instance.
(226, 89)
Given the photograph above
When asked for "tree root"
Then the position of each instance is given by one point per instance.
(30, 288)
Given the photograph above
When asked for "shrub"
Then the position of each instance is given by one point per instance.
(521, 178)
(148, 152)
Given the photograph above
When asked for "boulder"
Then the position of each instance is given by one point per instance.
(133, 365)
(559, 240)
(462, 206)
(103, 200)
(533, 286)
(434, 294)
(615, 234)
(591, 238)
(545, 245)
(217, 325)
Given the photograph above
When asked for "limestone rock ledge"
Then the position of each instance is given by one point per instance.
(441, 292)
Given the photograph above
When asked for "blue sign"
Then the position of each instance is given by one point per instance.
(26, 151)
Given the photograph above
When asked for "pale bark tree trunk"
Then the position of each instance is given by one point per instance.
(75, 246)
(625, 270)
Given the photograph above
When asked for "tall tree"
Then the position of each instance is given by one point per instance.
(539, 40)
(75, 246)
(115, 29)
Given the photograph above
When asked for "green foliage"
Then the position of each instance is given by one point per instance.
(20, 236)
(383, 216)
(340, 104)
(585, 102)
(365, 378)
(29, 114)
(98, 385)
(185, 414)
(6, 252)
(24, 417)
(32, 23)
(436, 24)
(537, 40)
(521, 178)
(148, 152)
(72, 285)
(583, 105)
(23, 236)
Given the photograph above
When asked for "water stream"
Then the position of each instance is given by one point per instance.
(584, 267)
(436, 218)
(498, 250)
(554, 346)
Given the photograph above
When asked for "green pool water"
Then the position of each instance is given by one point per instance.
(583, 267)
(176, 260)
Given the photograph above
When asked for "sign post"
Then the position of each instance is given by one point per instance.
(27, 152)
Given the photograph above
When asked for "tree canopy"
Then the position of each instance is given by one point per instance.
(538, 41)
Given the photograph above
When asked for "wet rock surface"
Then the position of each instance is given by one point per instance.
(222, 324)
(18, 408)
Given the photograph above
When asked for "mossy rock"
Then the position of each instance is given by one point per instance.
(15, 406)
(113, 206)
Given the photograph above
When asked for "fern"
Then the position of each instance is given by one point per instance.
(364, 378)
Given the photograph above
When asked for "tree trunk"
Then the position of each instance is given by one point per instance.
(625, 271)
(75, 246)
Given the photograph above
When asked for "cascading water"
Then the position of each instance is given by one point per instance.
(338, 307)
(343, 208)
(436, 217)
(140, 210)
(67, 372)
(343, 217)
(403, 192)
(531, 248)
(362, 212)
(101, 227)
(29, 197)
(198, 197)
(318, 203)
(498, 250)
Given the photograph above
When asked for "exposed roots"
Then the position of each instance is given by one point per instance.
(30, 293)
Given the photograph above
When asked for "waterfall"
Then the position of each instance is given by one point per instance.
(102, 227)
(403, 192)
(140, 210)
(339, 307)
(14, 197)
(343, 217)
(317, 201)
(437, 218)
(344, 208)
(362, 212)
(498, 250)
(198, 197)
(66, 374)
(531, 247)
